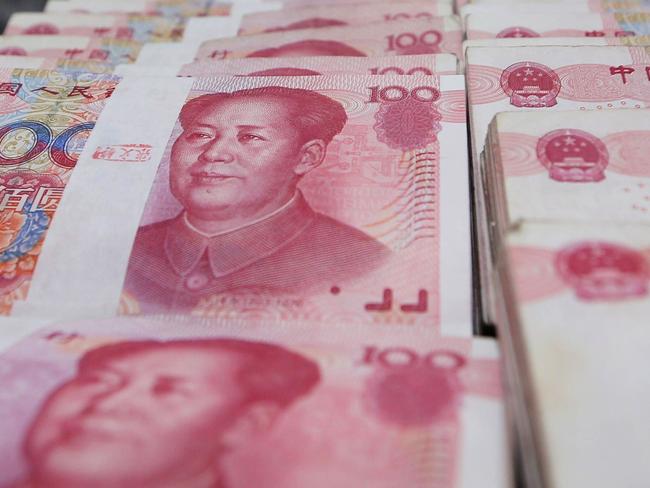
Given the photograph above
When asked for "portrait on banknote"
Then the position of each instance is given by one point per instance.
(104, 427)
(243, 222)
(154, 402)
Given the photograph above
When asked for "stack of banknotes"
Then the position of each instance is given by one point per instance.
(561, 169)
(324, 243)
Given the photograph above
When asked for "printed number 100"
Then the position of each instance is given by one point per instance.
(396, 93)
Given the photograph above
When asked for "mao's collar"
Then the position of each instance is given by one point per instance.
(235, 249)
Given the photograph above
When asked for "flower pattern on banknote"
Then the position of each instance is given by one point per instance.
(407, 124)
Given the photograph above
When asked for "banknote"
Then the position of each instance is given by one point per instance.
(56, 64)
(316, 65)
(339, 15)
(213, 203)
(439, 64)
(574, 166)
(385, 39)
(567, 285)
(558, 24)
(359, 41)
(206, 28)
(591, 5)
(45, 118)
(545, 78)
(141, 28)
(170, 54)
(526, 8)
(557, 41)
(180, 9)
(426, 36)
(112, 51)
(289, 4)
(348, 407)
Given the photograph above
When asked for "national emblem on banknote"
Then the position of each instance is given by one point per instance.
(603, 271)
(572, 155)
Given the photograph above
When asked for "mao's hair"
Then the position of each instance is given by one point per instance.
(267, 372)
(316, 47)
(313, 115)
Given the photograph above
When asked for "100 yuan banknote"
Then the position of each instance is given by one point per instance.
(45, 118)
(213, 402)
(435, 35)
(290, 4)
(591, 5)
(574, 166)
(301, 197)
(141, 28)
(112, 51)
(318, 65)
(439, 64)
(580, 327)
(558, 24)
(338, 15)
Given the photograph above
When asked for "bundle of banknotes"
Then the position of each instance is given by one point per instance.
(559, 127)
(333, 243)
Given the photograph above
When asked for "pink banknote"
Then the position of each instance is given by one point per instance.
(289, 4)
(440, 64)
(45, 119)
(532, 84)
(58, 64)
(160, 402)
(503, 25)
(316, 197)
(107, 50)
(337, 15)
(141, 28)
(178, 9)
(435, 35)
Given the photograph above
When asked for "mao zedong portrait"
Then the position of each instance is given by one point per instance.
(245, 225)
(151, 414)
